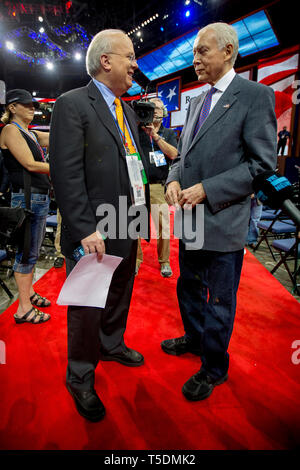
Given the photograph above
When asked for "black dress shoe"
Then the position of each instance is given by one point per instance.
(201, 385)
(129, 357)
(178, 346)
(88, 403)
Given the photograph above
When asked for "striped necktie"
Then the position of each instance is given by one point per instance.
(204, 112)
(123, 128)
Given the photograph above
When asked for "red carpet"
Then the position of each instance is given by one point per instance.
(257, 408)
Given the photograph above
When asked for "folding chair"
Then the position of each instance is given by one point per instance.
(3, 257)
(269, 214)
(289, 250)
(274, 229)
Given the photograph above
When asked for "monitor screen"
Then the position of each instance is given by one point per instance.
(255, 33)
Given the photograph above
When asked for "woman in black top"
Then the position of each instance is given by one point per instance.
(21, 149)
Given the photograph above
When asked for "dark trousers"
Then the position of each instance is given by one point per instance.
(281, 146)
(206, 291)
(93, 330)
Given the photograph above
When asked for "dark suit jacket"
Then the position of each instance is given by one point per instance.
(236, 142)
(88, 165)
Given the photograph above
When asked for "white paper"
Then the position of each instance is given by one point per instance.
(88, 283)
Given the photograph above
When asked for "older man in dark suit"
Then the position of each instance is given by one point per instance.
(94, 138)
(229, 137)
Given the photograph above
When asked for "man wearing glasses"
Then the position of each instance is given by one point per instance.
(94, 139)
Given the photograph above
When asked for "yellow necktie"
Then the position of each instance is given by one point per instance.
(126, 135)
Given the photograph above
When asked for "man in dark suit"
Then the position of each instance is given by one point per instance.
(89, 150)
(229, 136)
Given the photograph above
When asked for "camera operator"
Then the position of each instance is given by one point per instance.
(160, 147)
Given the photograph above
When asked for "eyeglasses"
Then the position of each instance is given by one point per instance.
(130, 57)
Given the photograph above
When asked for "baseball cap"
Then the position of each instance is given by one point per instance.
(20, 96)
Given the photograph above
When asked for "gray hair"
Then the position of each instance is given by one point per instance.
(101, 44)
(225, 34)
(157, 100)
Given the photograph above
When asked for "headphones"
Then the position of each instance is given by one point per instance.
(165, 111)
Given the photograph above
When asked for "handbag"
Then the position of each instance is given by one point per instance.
(15, 223)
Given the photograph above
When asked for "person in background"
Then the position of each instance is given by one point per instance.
(160, 147)
(59, 257)
(255, 215)
(22, 149)
(283, 136)
(228, 138)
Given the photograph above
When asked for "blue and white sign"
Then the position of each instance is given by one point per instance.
(169, 93)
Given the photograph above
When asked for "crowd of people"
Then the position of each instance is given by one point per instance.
(98, 153)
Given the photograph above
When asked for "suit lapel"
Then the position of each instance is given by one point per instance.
(194, 118)
(225, 102)
(104, 114)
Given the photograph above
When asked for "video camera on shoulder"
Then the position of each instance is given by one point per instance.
(144, 109)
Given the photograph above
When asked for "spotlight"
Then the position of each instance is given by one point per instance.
(161, 28)
(9, 45)
(187, 2)
(34, 93)
(187, 13)
(49, 66)
(139, 33)
(41, 19)
(42, 30)
(77, 56)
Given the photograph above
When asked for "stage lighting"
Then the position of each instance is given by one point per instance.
(49, 66)
(77, 56)
(9, 45)
(187, 13)
(34, 93)
(42, 30)
(187, 2)
(161, 28)
(139, 33)
(41, 19)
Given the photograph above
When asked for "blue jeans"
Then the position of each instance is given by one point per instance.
(206, 291)
(255, 215)
(40, 208)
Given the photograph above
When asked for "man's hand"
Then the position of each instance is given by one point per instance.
(173, 193)
(150, 131)
(94, 244)
(192, 196)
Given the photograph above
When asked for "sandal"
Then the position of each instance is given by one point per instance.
(37, 313)
(39, 301)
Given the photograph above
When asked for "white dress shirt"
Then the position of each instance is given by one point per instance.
(221, 86)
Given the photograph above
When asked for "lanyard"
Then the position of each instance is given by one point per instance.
(122, 135)
(151, 140)
(31, 134)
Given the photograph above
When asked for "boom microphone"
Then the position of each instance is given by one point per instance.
(276, 192)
